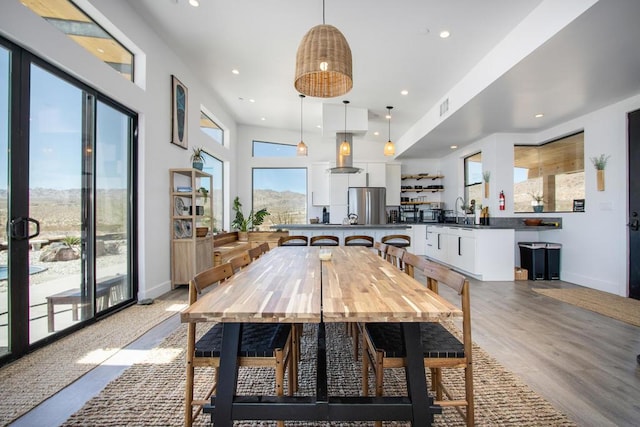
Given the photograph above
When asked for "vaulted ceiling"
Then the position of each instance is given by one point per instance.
(504, 62)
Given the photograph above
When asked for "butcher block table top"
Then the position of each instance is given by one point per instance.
(359, 286)
(286, 284)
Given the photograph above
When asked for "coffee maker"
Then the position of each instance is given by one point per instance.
(325, 215)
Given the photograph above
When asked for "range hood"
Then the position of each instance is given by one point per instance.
(344, 164)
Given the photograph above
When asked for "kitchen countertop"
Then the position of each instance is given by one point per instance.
(328, 226)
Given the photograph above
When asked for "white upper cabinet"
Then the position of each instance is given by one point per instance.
(377, 173)
(393, 183)
(359, 179)
(320, 184)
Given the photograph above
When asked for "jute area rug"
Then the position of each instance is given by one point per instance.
(152, 393)
(620, 308)
(30, 380)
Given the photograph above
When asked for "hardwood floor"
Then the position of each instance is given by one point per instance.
(582, 362)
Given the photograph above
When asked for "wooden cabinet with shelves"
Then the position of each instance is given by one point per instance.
(191, 213)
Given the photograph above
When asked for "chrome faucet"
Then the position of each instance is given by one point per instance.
(455, 208)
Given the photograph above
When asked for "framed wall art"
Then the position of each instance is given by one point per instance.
(179, 98)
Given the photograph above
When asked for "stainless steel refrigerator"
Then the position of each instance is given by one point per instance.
(369, 203)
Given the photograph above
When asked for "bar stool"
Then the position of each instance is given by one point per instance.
(397, 240)
(324, 241)
(293, 241)
(359, 240)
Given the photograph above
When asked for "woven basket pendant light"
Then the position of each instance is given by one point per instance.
(323, 62)
(389, 147)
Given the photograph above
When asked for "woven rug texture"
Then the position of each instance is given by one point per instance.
(32, 379)
(620, 308)
(151, 393)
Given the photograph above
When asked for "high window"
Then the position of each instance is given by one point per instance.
(215, 167)
(211, 128)
(273, 149)
(81, 28)
(551, 175)
(283, 191)
(473, 179)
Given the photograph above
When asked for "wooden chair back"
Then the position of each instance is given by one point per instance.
(394, 256)
(324, 241)
(359, 240)
(293, 241)
(381, 248)
(208, 278)
(255, 253)
(264, 247)
(413, 262)
(239, 262)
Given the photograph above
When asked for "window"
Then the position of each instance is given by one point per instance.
(473, 179)
(273, 149)
(215, 167)
(283, 191)
(68, 18)
(211, 128)
(554, 171)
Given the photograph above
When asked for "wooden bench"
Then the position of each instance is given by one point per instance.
(226, 246)
(75, 298)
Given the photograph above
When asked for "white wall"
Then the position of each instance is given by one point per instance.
(151, 98)
(594, 252)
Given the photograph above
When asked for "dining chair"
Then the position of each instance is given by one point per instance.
(239, 262)
(264, 247)
(383, 347)
(394, 256)
(359, 240)
(414, 262)
(255, 253)
(293, 241)
(397, 240)
(324, 241)
(261, 344)
(381, 248)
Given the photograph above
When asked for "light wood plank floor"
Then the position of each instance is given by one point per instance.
(582, 362)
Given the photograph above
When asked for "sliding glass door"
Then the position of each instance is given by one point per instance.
(66, 206)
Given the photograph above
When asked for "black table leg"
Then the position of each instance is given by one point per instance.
(228, 376)
(423, 408)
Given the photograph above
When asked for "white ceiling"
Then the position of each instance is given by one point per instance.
(593, 61)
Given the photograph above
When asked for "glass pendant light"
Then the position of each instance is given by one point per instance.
(345, 147)
(389, 147)
(302, 147)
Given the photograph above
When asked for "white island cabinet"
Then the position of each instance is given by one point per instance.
(484, 253)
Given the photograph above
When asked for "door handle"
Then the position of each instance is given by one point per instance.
(18, 228)
(460, 246)
(634, 225)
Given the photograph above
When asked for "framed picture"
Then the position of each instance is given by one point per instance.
(179, 98)
(578, 205)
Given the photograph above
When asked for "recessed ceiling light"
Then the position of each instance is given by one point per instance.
(453, 147)
(194, 3)
(404, 92)
(252, 100)
(319, 126)
(235, 71)
(376, 133)
(537, 116)
(444, 34)
(263, 118)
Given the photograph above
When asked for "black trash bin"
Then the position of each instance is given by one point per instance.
(532, 257)
(552, 261)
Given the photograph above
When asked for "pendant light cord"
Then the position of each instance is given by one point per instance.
(301, 99)
(322, 12)
(389, 108)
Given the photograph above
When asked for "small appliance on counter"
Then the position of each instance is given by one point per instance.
(325, 215)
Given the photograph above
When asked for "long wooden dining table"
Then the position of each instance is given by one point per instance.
(292, 284)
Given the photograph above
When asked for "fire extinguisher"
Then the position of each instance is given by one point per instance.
(502, 200)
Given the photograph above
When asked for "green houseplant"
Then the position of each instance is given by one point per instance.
(246, 223)
(537, 202)
(197, 159)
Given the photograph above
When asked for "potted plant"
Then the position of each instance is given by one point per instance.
(537, 202)
(600, 163)
(245, 224)
(486, 176)
(197, 160)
